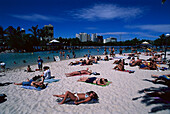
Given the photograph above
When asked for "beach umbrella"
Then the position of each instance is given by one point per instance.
(145, 42)
(54, 41)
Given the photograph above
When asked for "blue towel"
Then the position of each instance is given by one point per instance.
(51, 80)
(31, 87)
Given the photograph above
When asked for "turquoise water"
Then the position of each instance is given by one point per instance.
(31, 58)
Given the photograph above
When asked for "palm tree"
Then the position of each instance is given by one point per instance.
(35, 33)
(14, 38)
(2, 36)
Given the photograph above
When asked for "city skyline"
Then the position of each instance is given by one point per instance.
(121, 19)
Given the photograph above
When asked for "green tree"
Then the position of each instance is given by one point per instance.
(15, 39)
(35, 33)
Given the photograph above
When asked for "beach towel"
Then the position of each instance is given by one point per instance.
(31, 87)
(70, 102)
(101, 85)
(118, 57)
(130, 71)
(51, 80)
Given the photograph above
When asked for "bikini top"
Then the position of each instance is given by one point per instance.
(86, 96)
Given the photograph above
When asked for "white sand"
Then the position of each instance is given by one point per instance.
(113, 99)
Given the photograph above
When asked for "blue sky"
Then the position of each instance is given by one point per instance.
(123, 19)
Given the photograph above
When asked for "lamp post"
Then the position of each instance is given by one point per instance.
(166, 37)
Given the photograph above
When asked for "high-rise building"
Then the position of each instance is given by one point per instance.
(94, 37)
(50, 33)
(84, 37)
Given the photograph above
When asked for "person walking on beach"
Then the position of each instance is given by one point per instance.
(40, 63)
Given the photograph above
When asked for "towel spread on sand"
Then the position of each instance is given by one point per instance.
(34, 88)
(51, 80)
(70, 102)
(101, 85)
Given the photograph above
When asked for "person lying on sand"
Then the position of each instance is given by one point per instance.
(149, 66)
(120, 66)
(98, 81)
(77, 62)
(32, 83)
(165, 78)
(78, 96)
(89, 72)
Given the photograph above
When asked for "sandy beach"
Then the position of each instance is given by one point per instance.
(115, 98)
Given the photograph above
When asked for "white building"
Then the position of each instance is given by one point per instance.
(111, 39)
(94, 37)
(84, 37)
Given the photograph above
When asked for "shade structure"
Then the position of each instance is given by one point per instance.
(54, 41)
(145, 42)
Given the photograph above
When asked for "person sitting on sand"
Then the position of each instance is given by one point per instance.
(47, 72)
(106, 58)
(89, 62)
(165, 77)
(33, 83)
(131, 63)
(94, 80)
(79, 72)
(78, 96)
(93, 59)
(134, 63)
(29, 69)
(120, 66)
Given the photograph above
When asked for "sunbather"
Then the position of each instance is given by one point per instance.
(120, 66)
(151, 66)
(165, 78)
(78, 96)
(98, 81)
(89, 72)
(32, 83)
(134, 63)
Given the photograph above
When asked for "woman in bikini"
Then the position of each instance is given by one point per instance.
(78, 96)
(79, 73)
(94, 80)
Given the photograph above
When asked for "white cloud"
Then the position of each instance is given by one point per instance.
(107, 12)
(129, 34)
(37, 17)
(156, 28)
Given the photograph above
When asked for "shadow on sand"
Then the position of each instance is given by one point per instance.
(6, 83)
(155, 96)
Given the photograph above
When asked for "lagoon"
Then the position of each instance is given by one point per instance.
(31, 58)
